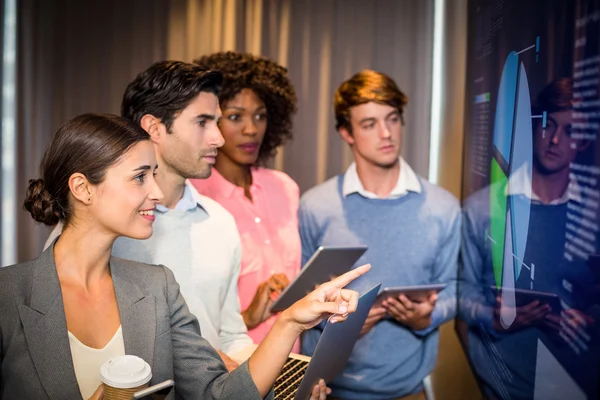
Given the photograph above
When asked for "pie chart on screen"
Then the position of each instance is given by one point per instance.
(512, 151)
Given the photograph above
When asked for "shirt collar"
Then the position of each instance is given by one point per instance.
(189, 201)
(407, 182)
(227, 188)
(519, 183)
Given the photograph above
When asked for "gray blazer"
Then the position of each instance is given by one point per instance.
(35, 356)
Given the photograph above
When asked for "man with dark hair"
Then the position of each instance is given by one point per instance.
(158, 100)
(553, 147)
(412, 228)
(177, 104)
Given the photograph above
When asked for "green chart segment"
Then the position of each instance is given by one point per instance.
(499, 182)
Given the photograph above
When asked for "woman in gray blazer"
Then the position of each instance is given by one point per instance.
(98, 179)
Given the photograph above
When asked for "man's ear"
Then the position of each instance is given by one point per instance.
(346, 135)
(81, 188)
(153, 126)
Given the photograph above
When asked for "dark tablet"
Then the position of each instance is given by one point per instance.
(326, 263)
(417, 293)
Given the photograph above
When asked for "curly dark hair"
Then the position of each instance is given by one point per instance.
(165, 89)
(269, 81)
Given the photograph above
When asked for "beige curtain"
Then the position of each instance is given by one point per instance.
(322, 42)
(74, 56)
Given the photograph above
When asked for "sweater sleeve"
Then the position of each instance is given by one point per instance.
(445, 270)
(477, 301)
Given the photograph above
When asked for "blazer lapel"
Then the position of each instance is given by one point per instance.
(137, 311)
(45, 328)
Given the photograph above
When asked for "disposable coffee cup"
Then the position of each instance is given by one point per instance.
(123, 376)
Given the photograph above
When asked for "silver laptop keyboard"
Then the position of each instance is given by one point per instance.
(289, 380)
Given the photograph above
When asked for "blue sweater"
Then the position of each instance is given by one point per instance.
(412, 240)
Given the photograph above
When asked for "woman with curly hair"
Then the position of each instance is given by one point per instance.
(257, 101)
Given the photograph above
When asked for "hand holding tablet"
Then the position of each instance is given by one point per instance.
(416, 294)
(409, 305)
(524, 297)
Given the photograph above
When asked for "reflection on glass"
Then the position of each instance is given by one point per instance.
(529, 285)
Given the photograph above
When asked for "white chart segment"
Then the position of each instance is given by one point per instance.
(508, 310)
(521, 159)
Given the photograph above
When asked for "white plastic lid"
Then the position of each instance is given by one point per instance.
(125, 372)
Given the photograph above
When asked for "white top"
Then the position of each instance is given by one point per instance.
(519, 183)
(407, 182)
(199, 241)
(87, 361)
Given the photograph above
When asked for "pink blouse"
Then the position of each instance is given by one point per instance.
(268, 228)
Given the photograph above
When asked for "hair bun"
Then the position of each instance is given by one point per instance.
(40, 203)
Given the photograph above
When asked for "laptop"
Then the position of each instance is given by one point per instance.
(300, 373)
(326, 263)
